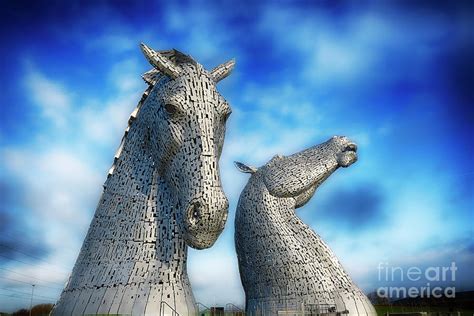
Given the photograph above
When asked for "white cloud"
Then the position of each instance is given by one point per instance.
(335, 52)
(54, 173)
(197, 30)
(215, 277)
(62, 169)
(60, 191)
(281, 120)
(125, 75)
(50, 96)
(39, 272)
(101, 120)
(330, 53)
(105, 123)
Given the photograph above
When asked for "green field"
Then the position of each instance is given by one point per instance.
(383, 309)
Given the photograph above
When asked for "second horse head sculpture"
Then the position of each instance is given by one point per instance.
(284, 265)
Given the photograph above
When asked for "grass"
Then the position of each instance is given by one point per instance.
(383, 309)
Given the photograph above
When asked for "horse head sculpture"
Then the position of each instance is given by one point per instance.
(163, 193)
(283, 263)
(299, 175)
(185, 118)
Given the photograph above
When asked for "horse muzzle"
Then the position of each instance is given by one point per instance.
(205, 219)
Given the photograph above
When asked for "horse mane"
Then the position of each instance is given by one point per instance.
(131, 119)
(178, 57)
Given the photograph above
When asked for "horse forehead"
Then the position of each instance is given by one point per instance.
(195, 75)
(202, 91)
(192, 68)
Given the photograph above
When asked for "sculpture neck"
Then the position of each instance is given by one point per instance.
(133, 167)
(137, 183)
(133, 250)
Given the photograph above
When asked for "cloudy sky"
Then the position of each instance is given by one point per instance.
(396, 78)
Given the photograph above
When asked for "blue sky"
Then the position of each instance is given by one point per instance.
(395, 77)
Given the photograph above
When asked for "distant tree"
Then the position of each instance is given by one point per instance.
(21, 312)
(375, 299)
(37, 310)
(41, 309)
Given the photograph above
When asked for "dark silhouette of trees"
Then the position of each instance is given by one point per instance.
(375, 299)
(37, 310)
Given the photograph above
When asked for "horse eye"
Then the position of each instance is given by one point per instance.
(170, 109)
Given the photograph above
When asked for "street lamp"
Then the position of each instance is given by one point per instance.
(32, 292)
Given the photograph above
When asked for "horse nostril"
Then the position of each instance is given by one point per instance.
(350, 147)
(194, 213)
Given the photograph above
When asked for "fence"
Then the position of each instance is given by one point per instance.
(290, 308)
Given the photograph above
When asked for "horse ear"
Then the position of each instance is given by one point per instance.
(160, 62)
(222, 71)
(244, 168)
(151, 76)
